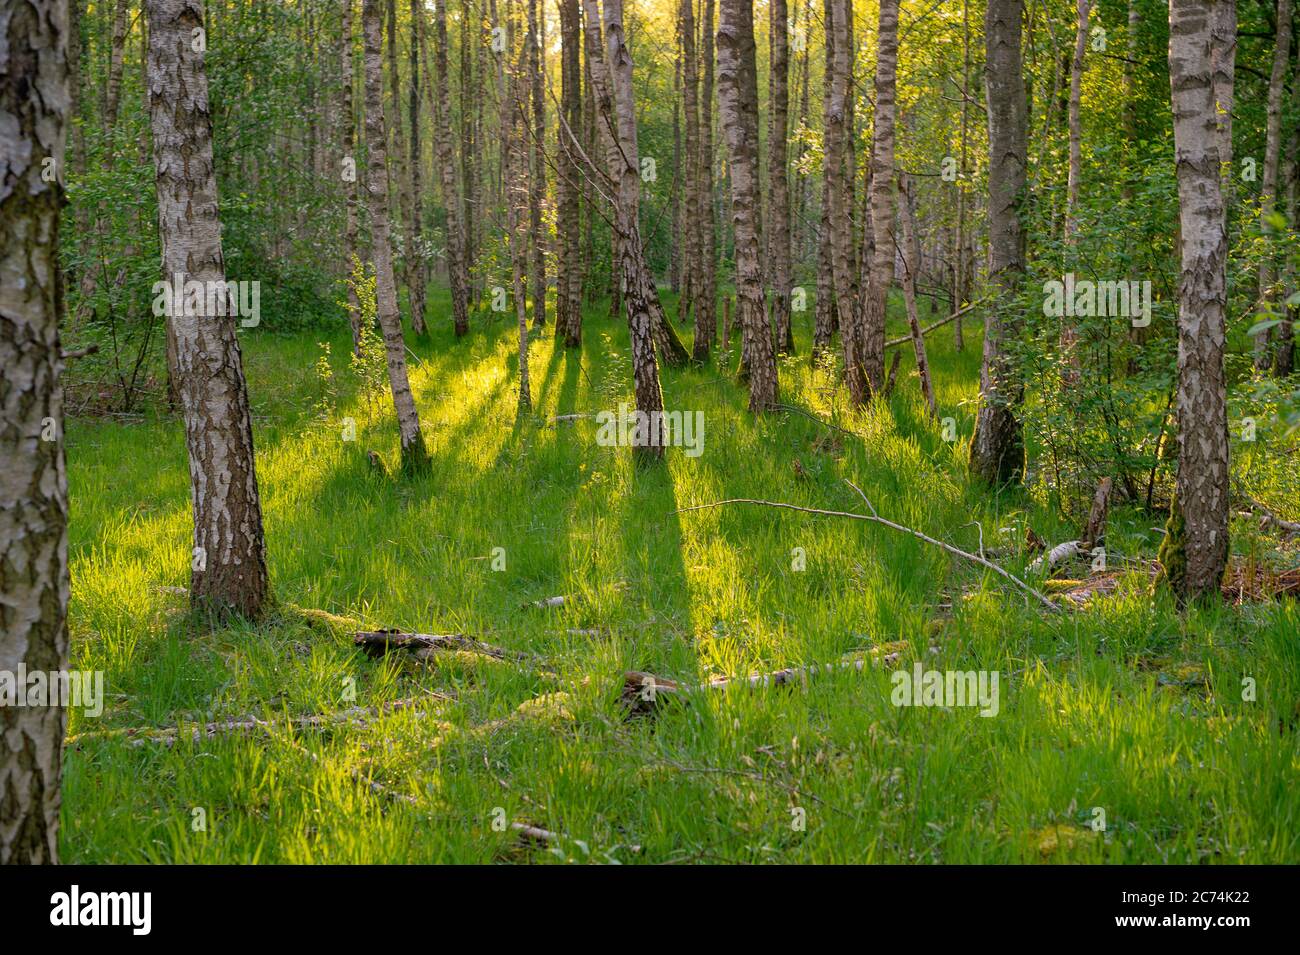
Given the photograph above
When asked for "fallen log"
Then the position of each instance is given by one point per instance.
(534, 835)
(642, 691)
(1057, 555)
(379, 642)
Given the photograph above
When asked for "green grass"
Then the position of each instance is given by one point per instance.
(1096, 706)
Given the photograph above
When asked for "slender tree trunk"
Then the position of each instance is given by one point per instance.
(1223, 58)
(406, 268)
(1137, 335)
(824, 320)
(668, 345)
(456, 270)
(414, 456)
(113, 85)
(839, 197)
(1272, 154)
(537, 171)
(960, 283)
(1083, 9)
(33, 482)
(882, 198)
(228, 570)
(802, 85)
(706, 299)
(471, 31)
(1194, 553)
(347, 167)
(679, 241)
(738, 108)
(518, 199)
(692, 179)
(1284, 347)
(911, 264)
(1069, 334)
(778, 223)
(997, 449)
(568, 295)
(415, 264)
(641, 298)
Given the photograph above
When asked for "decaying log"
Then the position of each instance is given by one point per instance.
(1057, 555)
(534, 835)
(642, 691)
(378, 642)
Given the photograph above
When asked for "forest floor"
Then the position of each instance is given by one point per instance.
(1121, 734)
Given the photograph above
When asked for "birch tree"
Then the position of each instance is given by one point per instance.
(692, 227)
(1194, 553)
(1272, 155)
(457, 276)
(839, 198)
(1069, 334)
(228, 569)
(882, 198)
(518, 198)
(778, 222)
(997, 447)
(415, 266)
(34, 583)
(407, 268)
(568, 273)
(618, 134)
(738, 109)
(537, 164)
(706, 297)
(414, 456)
(824, 319)
(347, 164)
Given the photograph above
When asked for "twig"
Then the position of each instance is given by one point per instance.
(170, 735)
(875, 518)
(791, 409)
